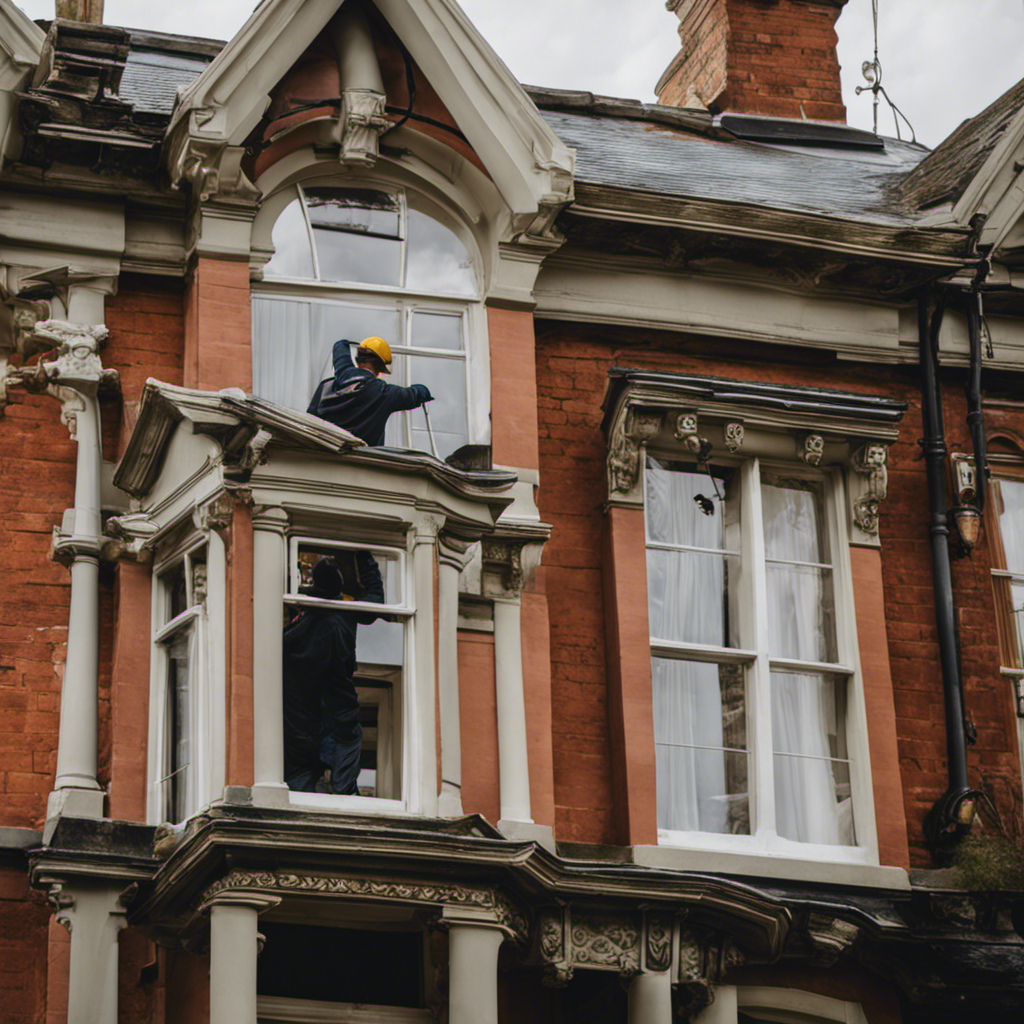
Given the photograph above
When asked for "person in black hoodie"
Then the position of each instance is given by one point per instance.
(356, 398)
(321, 707)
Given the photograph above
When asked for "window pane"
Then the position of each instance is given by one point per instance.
(700, 746)
(437, 330)
(179, 725)
(794, 520)
(293, 343)
(812, 771)
(673, 514)
(177, 591)
(801, 613)
(438, 261)
(292, 254)
(801, 601)
(359, 570)
(446, 379)
(357, 235)
(1008, 498)
(690, 597)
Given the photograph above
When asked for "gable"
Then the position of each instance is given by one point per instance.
(528, 164)
(21, 42)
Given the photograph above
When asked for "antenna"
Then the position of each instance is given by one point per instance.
(872, 72)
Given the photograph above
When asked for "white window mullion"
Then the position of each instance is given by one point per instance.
(759, 707)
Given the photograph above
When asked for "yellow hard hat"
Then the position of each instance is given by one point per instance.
(380, 348)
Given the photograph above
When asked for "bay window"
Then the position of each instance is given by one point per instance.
(357, 262)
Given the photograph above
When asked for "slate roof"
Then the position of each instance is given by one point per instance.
(151, 78)
(947, 171)
(859, 185)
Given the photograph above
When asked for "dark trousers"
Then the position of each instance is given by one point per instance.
(340, 751)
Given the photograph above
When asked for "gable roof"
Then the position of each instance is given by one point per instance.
(944, 175)
(528, 163)
(21, 42)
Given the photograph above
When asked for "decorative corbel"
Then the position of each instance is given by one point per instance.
(18, 318)
(734, 435)
(216, 514)
(565, 939)
(508, 565)
(629, 439)
(831, 937)
(811, 449)
(702, 964)
(869, 485)
(130, 537)
(658, 940)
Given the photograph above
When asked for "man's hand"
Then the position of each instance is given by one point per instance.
(423, 392)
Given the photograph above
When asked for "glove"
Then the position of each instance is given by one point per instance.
(423, 393)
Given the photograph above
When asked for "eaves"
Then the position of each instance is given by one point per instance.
(938, 247)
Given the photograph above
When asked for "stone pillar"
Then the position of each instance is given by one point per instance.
(650, 998)
(269, 567)
(513, 758)
(723, 1010)
(422, 784)
(474, 939)
(234, 947)
(452, 560)
(94, 916)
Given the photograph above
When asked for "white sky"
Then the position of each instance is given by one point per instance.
(943, 60)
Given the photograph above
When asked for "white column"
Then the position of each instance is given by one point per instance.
(724, 1010)
(269, 562)
(472, 969)
(93, 916)
(451, 560)
(234, 947)
(420, 721)
(650, 998)
(513, 756)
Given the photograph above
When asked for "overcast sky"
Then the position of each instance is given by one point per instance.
(943, 60)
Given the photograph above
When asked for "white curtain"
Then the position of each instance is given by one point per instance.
(686, 602)
(811, 804)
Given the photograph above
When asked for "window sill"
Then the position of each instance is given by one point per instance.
(769, 857)
(347, 804)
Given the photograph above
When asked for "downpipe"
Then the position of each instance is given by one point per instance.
(949, 820)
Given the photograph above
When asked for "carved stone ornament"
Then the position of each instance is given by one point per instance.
(360, 125)
(812, 449)
(214, 170)
(870, 463)
(626, 447)
(508, 555)
(217, 514)
(130, 536)
(659, 942)
(504, 910)
(686, 424)
(734, 434)
(565, 939)
(831, 937)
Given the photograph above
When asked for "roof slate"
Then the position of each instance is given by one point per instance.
(637, 154)
(151, 79)
(947, 171)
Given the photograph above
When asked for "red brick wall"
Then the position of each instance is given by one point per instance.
(571, 373)
(774, 57)
(23, 930)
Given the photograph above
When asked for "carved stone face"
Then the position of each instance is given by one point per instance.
(875, 455)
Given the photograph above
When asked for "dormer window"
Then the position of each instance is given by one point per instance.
(355, 262)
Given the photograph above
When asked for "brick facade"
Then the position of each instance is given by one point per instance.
(571, 376)
(771, 57)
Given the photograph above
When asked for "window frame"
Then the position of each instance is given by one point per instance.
(1008, 467)
(758, 665)
(402, 750)
(195, 620)
(405, 301)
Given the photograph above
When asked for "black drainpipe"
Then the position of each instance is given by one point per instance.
(945, 823)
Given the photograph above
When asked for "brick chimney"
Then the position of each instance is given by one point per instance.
(81, 10)
(774, 57)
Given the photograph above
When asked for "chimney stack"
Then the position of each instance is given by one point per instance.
(772, 57)
(81, 10)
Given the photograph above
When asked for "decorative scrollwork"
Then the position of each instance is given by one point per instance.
(870, 462)
(659, 942)
(734, 435)
(610, 941)
(813, 449)
(626, 448)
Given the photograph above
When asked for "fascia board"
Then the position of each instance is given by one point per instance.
(976, 196)
(21, 40)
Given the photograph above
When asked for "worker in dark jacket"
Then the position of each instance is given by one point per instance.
(321, 707)
(356, 398)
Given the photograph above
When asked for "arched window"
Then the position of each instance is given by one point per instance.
(354, 262)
